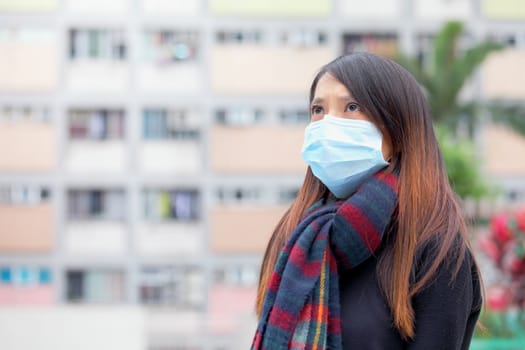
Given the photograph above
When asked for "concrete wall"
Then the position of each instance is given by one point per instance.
(167, 157)
(96, 156)
(93, 238)
(260, 69)
(257, 149)
(19, 71)
(164, 239)
(504, 149)
(27, 146)
(26, 228)
(71, 327)
(503, 75)
(295, 8)
(243, 228)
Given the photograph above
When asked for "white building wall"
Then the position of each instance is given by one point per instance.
(92, 77)
(95, 238)
(72, 327)
(164, 157)
(169, 239)
(87, 157)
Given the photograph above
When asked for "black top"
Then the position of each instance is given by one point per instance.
(445, 312)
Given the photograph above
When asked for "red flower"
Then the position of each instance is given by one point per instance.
(511, 262)
(500, 228)
(520, 219)
(498, 298)
(505, 245)
(487, 245)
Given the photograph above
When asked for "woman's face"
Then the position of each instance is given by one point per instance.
(332, 97)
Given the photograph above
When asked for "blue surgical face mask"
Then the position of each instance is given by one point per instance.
(343, 153)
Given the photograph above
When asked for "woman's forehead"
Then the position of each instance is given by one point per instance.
(328, 85)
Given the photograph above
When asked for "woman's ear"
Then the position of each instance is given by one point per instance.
(386, 147)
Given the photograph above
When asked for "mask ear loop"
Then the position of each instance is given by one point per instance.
(389, 157)
(382, 129)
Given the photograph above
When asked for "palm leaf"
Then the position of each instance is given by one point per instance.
(511, 114)
(445, 45)
(443, 78)
(466, 64)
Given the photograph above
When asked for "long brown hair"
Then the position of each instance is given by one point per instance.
(427, 210)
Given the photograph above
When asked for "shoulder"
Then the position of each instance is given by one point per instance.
(455, 255)
(447, 308)
(457, 272)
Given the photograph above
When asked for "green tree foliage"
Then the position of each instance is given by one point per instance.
(442, 77)
(510, 113)
(463, 167)
(446, 72)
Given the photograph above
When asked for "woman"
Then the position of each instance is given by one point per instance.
(373, 253)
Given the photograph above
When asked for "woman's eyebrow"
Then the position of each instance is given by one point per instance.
(345, 98)
(341, 98)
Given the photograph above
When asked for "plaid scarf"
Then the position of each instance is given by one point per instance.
(301, 308)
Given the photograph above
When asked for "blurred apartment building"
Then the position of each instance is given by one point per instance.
(148, 147)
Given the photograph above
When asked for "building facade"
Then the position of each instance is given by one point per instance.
(149, 147)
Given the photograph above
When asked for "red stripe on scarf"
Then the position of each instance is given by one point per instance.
(297, 345)
(298, 258)
(311, 311)
(306, 313)
(362, 225)
(343, 260)
(257, 340)
(275, 281)
(390, 179)
(334, 325)
(281, 318)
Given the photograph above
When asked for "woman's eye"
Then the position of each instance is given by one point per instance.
(317, 110)
(352, 107)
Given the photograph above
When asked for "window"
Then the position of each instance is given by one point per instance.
(179, 204)
(95, 286)
(506, 39)
(239, 195)
(303, 38)
(514, 195)
(425, 45)
(167, 47)
(255, 195)
(25, 113)
(96, 124)
(236, 275)
(24, 276)
(96, 204)
(5, 275)
(294, 116)
(75, 285)
(288, 195)
(179, 124)
(239, 116)
(384, 44)
(181, 287)
(23, 195)
(44, 276)
(97, 44)
(239, 36)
